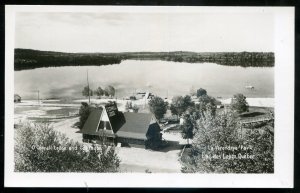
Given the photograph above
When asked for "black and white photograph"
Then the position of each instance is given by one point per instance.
(144, 92)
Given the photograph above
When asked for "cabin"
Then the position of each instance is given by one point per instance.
(219, 104)
(17, 98)
(106, 123)
(144, 95)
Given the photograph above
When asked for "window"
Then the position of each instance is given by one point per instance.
(104, 124)
(101, 125)
(108, 127)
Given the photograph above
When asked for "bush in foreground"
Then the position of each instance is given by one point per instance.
(217, 148)
(38, 148)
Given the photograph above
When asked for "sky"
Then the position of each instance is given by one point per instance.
(130, 32)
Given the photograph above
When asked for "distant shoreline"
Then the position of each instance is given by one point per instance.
(26, 59)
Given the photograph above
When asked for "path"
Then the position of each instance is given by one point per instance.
(66, 127)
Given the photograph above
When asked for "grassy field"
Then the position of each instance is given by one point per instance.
(256, 112)
(44, 113)
(63, 111)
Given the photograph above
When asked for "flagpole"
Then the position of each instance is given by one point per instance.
(87, 78)
(38, 97)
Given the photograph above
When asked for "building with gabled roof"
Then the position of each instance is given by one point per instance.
(17, 98)
(128, 128)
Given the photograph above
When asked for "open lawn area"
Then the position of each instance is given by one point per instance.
(257, 112)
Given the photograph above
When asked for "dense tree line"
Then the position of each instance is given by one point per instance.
(244, 59)
(107, 91)
(30, 59)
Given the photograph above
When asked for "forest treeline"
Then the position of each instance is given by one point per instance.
(30, 59)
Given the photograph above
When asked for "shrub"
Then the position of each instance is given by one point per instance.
(38, 148)
(221, 131)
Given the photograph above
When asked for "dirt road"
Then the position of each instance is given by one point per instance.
(140, 160)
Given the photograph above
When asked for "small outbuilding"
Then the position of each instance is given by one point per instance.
(17, 98)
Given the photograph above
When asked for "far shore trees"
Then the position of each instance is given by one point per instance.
(239, 103)
(87, 91)
(158, 107)
(30, 59)
(39, 148)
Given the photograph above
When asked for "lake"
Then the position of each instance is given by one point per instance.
(162, 78)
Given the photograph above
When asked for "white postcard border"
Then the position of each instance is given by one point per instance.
(284, 113)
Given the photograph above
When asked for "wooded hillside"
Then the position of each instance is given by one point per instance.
(30, 59)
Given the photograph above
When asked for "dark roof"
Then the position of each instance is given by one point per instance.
(117, 121)
(91, 124)
(128, 125)
(136, 125)
(217, 102)
(131, 135)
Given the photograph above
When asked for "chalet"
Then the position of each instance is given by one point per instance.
(17, 98)
(129, 129)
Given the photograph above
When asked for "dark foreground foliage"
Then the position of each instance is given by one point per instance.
(38, 148)
(218, 148)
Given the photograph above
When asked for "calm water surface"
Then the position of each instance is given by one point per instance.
(160, 77)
